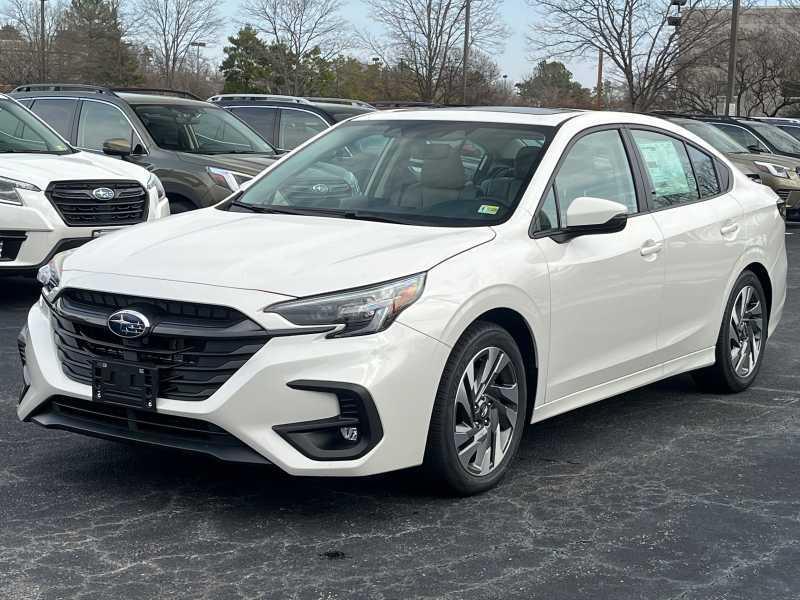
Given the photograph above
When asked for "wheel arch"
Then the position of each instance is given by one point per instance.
(760, 271)
(519, 328)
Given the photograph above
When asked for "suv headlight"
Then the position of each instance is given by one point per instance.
(9, 193)
(355, 312)
(772, 169)
(229, 179)
(154, 183)
(50, 275)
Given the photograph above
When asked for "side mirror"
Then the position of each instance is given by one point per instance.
(117, 147)
(592, 216)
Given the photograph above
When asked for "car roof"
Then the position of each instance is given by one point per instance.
(136, 98)
(495, 114)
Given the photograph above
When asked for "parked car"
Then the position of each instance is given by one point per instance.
(787, 124)
(289, 121)
(54, 197)
(428, 318)
(199, 152)
(781, 173)
(757, 136)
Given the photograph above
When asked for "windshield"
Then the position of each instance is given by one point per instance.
(21, 132)
(782, 141)
(199, 130)
(792, 130)
(414, 172)
(714, 136)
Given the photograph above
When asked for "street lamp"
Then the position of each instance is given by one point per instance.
(466, 45)
(730, 107)
(42, 42)
(198, 45)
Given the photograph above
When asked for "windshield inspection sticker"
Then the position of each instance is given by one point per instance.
(488, 209)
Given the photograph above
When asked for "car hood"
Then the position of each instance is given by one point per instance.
(42, 169)
(247, 164)
(283, 254)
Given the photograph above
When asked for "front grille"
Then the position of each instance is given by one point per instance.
(77, 205)
(196, 347)
(784, 194)
(131, 424)
(318, 193)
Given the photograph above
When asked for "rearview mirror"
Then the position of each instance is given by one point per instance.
(117, 147)
(592, 216)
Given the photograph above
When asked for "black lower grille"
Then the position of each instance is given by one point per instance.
(130, 424)
(10, 244)
(195, 347)
(79, 205)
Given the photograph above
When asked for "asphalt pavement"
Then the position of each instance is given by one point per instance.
(663, 492)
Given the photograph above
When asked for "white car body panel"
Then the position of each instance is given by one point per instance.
(604, 316)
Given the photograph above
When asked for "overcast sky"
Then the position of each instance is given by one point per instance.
(514, 61)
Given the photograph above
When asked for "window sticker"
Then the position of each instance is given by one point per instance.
(665, 167)
(488, 209)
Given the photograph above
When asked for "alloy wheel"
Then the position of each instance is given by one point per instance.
(746, 331)
(486, 406)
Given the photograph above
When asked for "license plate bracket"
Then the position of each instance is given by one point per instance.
(125, 383)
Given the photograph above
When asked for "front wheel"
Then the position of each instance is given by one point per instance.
(741, 341)
(480, 411)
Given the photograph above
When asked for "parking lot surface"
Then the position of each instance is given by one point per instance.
(663, 492)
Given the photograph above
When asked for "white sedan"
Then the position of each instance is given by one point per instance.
(474, 271)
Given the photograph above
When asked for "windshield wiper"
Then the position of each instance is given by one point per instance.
(323, 212)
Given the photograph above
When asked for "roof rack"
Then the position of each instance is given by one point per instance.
(62, 87)
(268, 97)
(157, 91)
(345, 101)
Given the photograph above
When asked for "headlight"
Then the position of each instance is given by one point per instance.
(229, 179)
(9, 193)
(355, 312)
(155, 183)
(772, 169)
(50, 275)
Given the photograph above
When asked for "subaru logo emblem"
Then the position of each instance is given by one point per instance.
(103, 193)
(129, 324)
(321, 188)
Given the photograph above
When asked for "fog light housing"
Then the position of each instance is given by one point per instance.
(351, 434)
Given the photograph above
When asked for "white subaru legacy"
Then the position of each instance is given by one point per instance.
(456, 276)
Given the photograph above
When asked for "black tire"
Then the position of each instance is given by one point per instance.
(441, 463)
(180, 206)
(721, 376)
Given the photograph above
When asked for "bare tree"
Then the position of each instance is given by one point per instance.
(302, 25)
(25, 17)
(425, 35)
(647, 55)
(171, 28)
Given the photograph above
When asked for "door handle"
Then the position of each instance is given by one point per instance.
(651, 247)
(729, 229)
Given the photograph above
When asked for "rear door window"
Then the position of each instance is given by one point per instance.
(297, 126)
(261, 119)
(59, 113)
(666, 162)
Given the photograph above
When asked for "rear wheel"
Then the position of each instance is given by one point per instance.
(741, 341)
(480, 411)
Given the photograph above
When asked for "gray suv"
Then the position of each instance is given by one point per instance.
(200, 152)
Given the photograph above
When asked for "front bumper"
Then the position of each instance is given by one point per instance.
(33, 233)
(292, 380)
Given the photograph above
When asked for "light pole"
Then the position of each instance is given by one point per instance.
(730, 107)
(466, 46)
(600, 79)
(198, 45)
(42, 42)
